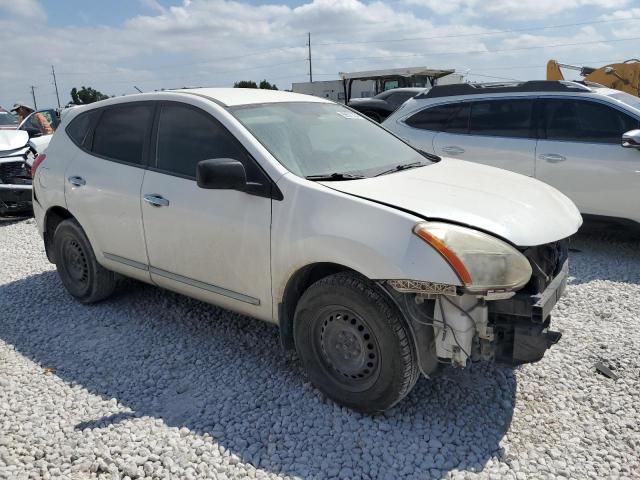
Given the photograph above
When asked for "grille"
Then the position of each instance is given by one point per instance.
(546, 262)
(15, 172)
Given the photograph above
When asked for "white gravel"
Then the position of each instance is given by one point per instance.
(150, 384)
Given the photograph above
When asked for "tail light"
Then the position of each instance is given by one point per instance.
(36, 163)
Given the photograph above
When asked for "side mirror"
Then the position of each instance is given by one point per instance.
(631, 139)
(221, 174)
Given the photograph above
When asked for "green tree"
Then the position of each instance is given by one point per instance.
(85, 96)
(267, 86)
(245, 84)
(264, 85)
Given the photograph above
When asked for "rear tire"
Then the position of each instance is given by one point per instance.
(354, 343)
(79, 271)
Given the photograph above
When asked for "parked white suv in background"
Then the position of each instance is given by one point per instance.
(376, 261)
(567, 134)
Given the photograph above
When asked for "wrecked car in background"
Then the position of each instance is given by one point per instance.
(16, 156)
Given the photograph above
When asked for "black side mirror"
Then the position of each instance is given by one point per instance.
(631, 139)
(221, 174)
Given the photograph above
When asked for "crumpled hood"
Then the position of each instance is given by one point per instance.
(520, 209)
(13, 139)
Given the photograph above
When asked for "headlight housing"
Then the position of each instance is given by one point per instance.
(482, 262)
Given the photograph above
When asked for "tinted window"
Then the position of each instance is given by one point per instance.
(459, 122)
(501, 118)
(121, 131)
(584, 121)
(187, 136)
(434, 118)
(79, 127)
(399, 98)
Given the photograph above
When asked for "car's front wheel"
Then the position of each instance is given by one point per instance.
(354, 343)
(79, 271)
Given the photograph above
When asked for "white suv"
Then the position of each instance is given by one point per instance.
(567, 134)
(376, 261)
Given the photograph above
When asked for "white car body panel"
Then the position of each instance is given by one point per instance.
(515, 154)
(522, 210)
(13, 140)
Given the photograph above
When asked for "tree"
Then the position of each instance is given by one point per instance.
(85, 96)
(264, 85)
(267, 86)
(245, 84)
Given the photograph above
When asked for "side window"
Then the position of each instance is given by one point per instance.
(121, 131)
(434, 118)
(187, 135)
(399, 98)
(502, 118)
(585, 121)
(79, 127)
(459, 122)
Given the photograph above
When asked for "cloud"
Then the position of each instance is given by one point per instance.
(217, 42)
(514, 9)
(24, 9)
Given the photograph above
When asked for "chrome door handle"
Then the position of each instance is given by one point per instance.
(552, 157)
(77, 181)
(453, 150)
(156, 200)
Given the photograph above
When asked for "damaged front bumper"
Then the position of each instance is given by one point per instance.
(15, 187)
(454, 328)
(521, 324)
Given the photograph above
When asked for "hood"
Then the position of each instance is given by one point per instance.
(522, 210)
(13, 139)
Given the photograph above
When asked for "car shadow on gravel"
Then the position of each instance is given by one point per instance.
(192, 365)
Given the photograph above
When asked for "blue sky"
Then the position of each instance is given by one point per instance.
(116, 45)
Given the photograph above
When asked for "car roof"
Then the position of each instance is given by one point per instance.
(231, 97)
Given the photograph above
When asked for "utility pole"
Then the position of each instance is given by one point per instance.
(56, 85)
(33, 94)
(310, 69)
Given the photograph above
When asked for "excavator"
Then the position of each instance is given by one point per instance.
(623, 76)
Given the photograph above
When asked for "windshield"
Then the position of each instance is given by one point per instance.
(316, 139)
(7, 118)
(628, 99)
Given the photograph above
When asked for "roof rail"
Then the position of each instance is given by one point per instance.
(457, 89)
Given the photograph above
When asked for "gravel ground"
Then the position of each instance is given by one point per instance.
(151, 384)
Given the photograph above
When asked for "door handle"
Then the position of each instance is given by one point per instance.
(156, 200)
(453, 150)
(77, 181)
(552, 157)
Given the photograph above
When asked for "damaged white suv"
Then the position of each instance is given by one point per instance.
(376, 261)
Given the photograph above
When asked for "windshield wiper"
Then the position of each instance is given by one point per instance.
(334, 176)
(402, 166)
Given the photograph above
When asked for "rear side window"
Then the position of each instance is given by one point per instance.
(79, 127)
(502, 118)
(584, 121)
(187, 135)
(434, 118)
(121, 132)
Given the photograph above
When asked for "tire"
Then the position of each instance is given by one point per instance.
(354, 343)
(79, 271)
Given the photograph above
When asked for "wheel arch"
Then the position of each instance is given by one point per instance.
(53, 217)
(297, 284)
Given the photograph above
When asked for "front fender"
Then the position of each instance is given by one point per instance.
(315, 224)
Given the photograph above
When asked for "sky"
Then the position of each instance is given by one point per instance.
(118, 45)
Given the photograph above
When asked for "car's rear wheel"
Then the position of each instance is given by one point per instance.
(79, 271)
(354, 343)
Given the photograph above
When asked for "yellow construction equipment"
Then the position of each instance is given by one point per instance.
(623, 76)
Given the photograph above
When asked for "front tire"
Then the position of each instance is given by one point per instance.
(354, 343)
(79, 271)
